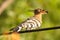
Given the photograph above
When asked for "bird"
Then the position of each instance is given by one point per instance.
(31, 23)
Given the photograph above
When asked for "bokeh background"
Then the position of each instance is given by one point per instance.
(18, 11)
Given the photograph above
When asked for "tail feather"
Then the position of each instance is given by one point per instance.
(14, 29)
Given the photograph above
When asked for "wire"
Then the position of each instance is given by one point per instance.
(36, 30)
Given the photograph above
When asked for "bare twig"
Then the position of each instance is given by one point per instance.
(38, 30)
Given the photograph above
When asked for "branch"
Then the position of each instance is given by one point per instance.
(38, 30)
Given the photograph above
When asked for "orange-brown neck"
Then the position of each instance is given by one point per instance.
(39, 17)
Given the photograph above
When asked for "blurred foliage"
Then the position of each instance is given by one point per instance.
(19, 11)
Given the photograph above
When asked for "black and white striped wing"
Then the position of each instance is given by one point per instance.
(29, 24)
(33, 23)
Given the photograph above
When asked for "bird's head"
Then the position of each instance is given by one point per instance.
(40, 11)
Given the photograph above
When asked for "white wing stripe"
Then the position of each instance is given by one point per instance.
(32, 21)
(39, 24)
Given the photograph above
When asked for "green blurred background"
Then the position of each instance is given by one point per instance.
(18, 11)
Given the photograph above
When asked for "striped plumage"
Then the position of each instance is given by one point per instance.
(31, 23)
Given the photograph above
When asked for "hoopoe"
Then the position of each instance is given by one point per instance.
(31, 23)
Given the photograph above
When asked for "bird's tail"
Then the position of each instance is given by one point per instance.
(16, 29)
